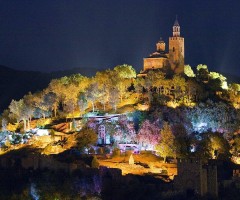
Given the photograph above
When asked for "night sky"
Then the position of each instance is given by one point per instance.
(50, 35)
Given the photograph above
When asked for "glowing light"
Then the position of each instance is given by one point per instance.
(34, 192)
(42, 132)
(172, 104)
(236, 159)
(142, 107)
(193, 148)
(224, 85)
(200, 126)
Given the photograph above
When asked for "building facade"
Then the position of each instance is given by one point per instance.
(173, 59)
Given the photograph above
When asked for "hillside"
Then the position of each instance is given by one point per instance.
(14, 84)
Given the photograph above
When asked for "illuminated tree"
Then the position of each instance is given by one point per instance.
(234, 95)
(166, 147)
(202, 73)
(219, 146)
(92, 94)
(51, 102)
(138, 85)
(29, 102)
(57, 88)
(223, 79)
(125, 71)
(182, 141)
(95, 163)
(105, 80)
(212, 145)
(215, 85)
(194, 91)
(67, 89)
(210, 115)
(188, 71)
(4, 124)
(41, 103)
(148, 135)
(70, 106)
(123, 78)
(86, 137)
(71, 98)
(82, 102)
(179, 85)
(235, 146)
(104, 96)
(201, 66)
(20, 111)
(114, 97)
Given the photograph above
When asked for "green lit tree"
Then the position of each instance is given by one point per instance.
(166, 147)
(85, 138)
(188, 71)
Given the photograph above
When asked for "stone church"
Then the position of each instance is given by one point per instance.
(161, 59)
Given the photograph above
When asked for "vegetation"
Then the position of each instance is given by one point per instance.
(178, 115)
(189, 115)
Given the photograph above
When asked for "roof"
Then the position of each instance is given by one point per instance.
(176, 22)
(158, 54)
(161, 40)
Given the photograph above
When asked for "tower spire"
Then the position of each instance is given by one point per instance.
(176, 28)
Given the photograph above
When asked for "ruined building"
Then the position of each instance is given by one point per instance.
(196, 177)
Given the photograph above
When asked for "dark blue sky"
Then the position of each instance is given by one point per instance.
(47, 35)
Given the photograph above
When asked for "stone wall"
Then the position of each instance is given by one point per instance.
(154, 63)
(194, 175)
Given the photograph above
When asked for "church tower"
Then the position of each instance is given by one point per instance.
(176, 49)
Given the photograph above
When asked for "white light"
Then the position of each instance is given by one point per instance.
(34, 192)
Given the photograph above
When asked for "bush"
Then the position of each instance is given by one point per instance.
(145, 152)
(52, 133)
(116, 152)
(100, 150)
(95, 163)
(128, 152)
(106, 150)
(91, 150)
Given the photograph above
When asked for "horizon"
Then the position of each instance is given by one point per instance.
(49, 37)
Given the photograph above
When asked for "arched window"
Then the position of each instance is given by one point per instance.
(173, 49)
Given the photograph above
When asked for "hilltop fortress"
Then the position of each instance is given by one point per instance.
(161, 59)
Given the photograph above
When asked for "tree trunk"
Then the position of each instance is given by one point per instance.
(149, 97)
(24, 125)
(93, 107)
(29, 122)
(29, 126)
(121, 97)
(55, 111)
(104, 106)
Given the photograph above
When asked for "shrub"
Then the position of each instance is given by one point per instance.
(100, 150)
(106, 150)
(145, 152)
(91, 150)
(95, 163)
(128, 152)
(116, 152)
